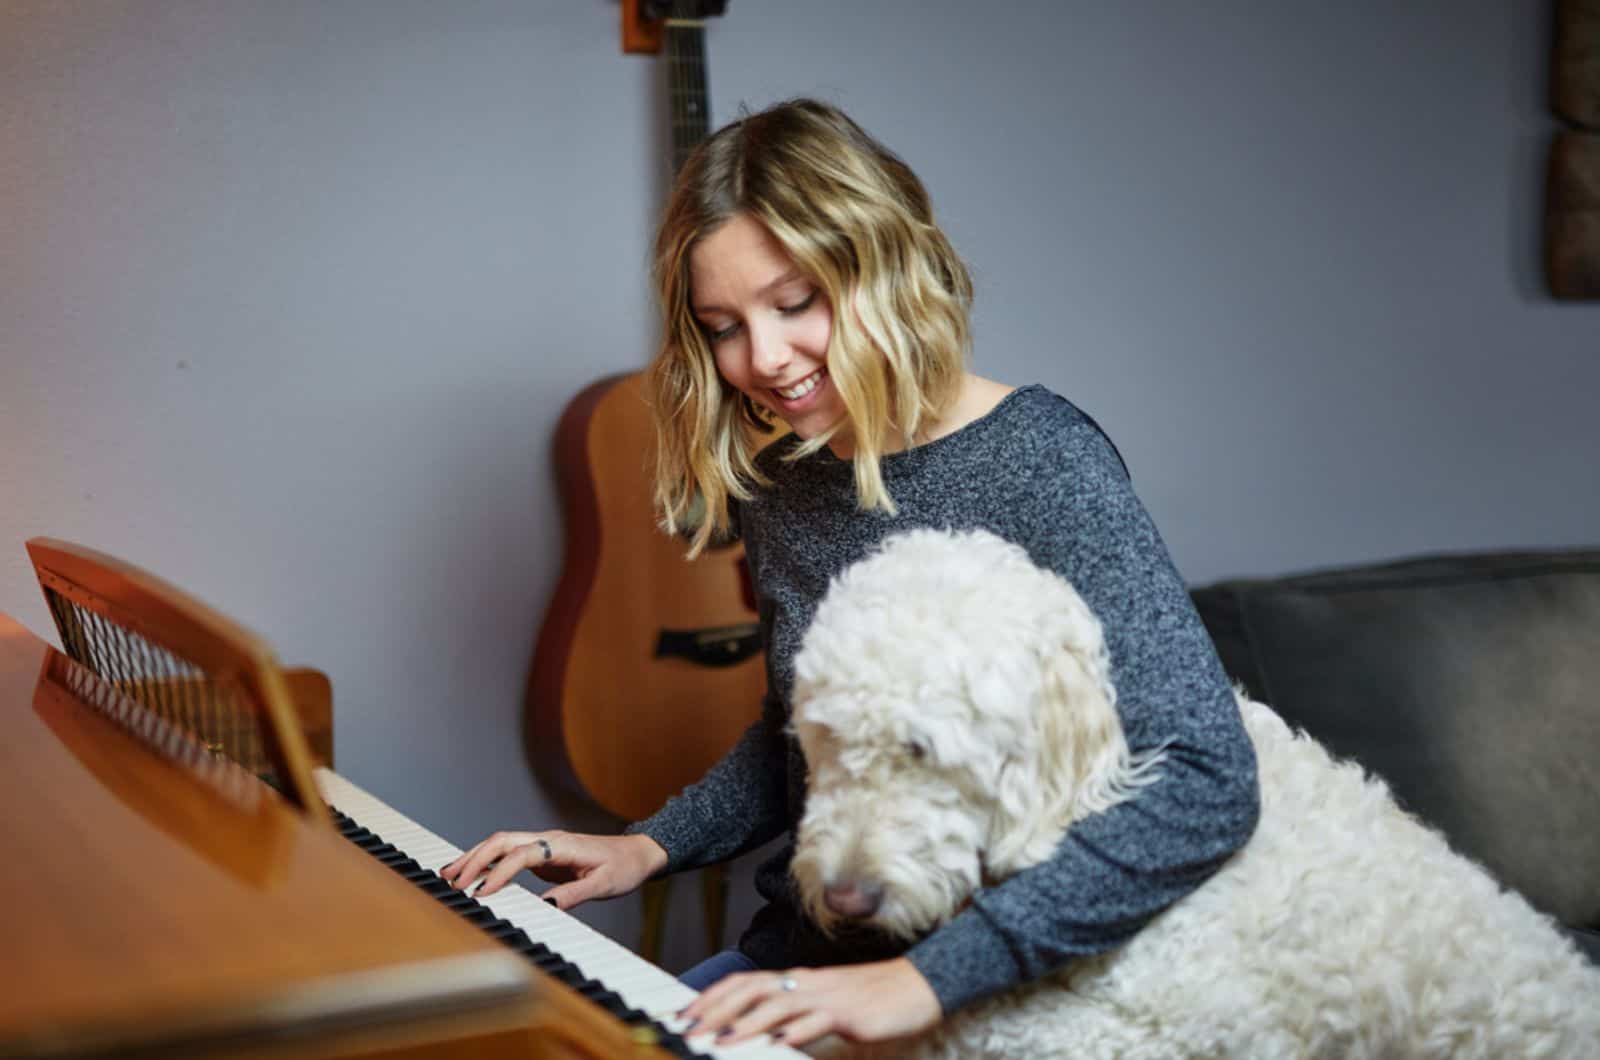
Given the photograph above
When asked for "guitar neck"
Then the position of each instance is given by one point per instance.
(686, 77)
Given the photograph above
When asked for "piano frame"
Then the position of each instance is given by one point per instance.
(164, 902)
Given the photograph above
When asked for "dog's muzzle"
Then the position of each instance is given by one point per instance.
(853, 898)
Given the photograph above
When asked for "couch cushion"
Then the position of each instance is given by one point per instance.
(1470, 683)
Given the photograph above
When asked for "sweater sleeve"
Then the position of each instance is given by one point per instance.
(1113, 872)
(740, 804)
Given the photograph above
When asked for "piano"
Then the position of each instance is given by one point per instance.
(163, 902)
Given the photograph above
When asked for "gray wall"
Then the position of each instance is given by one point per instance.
(292, 294)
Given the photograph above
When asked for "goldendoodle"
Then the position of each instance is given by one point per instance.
(956, 710)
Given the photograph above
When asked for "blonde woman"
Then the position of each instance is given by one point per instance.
(802, 278)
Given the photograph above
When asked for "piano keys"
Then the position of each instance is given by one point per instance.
(646, 996)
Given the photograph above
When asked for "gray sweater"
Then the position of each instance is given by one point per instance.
(1039, 472)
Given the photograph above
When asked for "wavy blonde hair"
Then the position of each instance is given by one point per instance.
(858, 223)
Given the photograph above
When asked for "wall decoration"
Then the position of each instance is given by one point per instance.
(1572, 179)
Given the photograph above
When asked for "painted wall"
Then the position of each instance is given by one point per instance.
(292, 294)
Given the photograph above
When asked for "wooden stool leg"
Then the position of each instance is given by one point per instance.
(655, 894)
(714, 899)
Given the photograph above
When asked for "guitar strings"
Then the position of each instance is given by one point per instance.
(686, 73)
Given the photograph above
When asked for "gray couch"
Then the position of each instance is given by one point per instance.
(1470, 683)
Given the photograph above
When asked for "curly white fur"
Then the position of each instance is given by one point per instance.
(954, 705)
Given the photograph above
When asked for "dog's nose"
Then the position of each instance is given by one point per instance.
(853, 898)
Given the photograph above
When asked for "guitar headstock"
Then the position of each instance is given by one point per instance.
(642, 20)
(688, 9)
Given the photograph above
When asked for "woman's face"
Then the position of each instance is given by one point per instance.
(768, 325)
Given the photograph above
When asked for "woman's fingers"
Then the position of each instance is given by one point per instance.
(498, 851)
(802, 1030)
(548, 855)
(863, 1002)
(583, 866)
(501, 872)
(598, 883)
(744, 1005)
(454, 870)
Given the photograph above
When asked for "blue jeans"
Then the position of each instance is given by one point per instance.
(716, 967)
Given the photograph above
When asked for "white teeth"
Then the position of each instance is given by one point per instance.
(802, 388)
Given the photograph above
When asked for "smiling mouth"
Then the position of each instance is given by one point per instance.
(803, 387)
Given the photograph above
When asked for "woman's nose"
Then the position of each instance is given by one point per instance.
(769, 353)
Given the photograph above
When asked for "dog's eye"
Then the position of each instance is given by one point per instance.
(917, 749)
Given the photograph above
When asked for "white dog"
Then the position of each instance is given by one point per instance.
(954, 705)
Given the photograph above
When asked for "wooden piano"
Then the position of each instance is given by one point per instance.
(163, 902)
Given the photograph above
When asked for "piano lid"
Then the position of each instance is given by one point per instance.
(155, 899)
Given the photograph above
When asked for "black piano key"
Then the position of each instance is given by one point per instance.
(606, 998)
(550, 962)
(569, 974)
(541, 956)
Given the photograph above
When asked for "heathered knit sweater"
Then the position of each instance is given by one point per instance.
(1038, 472)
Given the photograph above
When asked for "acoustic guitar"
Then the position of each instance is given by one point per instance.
(648, 666)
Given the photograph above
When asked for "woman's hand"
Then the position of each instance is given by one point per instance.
(861, 1002)
(585, 866)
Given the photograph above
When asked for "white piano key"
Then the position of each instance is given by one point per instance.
(638, 982)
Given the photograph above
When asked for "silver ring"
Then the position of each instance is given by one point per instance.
(787, 984)
(545, 847)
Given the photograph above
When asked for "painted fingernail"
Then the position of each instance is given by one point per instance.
(553, 902)
(691, 1025)
(724, 1034)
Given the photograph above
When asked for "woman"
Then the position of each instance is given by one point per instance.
(802, 278)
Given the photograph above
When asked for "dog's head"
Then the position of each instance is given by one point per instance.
(954, 704)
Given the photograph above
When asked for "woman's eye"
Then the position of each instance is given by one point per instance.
(799, 307)
(715, 335)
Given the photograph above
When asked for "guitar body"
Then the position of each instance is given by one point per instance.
(646, 669)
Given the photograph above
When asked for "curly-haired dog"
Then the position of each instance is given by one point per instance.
(954, 705)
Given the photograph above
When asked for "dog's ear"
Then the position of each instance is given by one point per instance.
(1075, 763)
